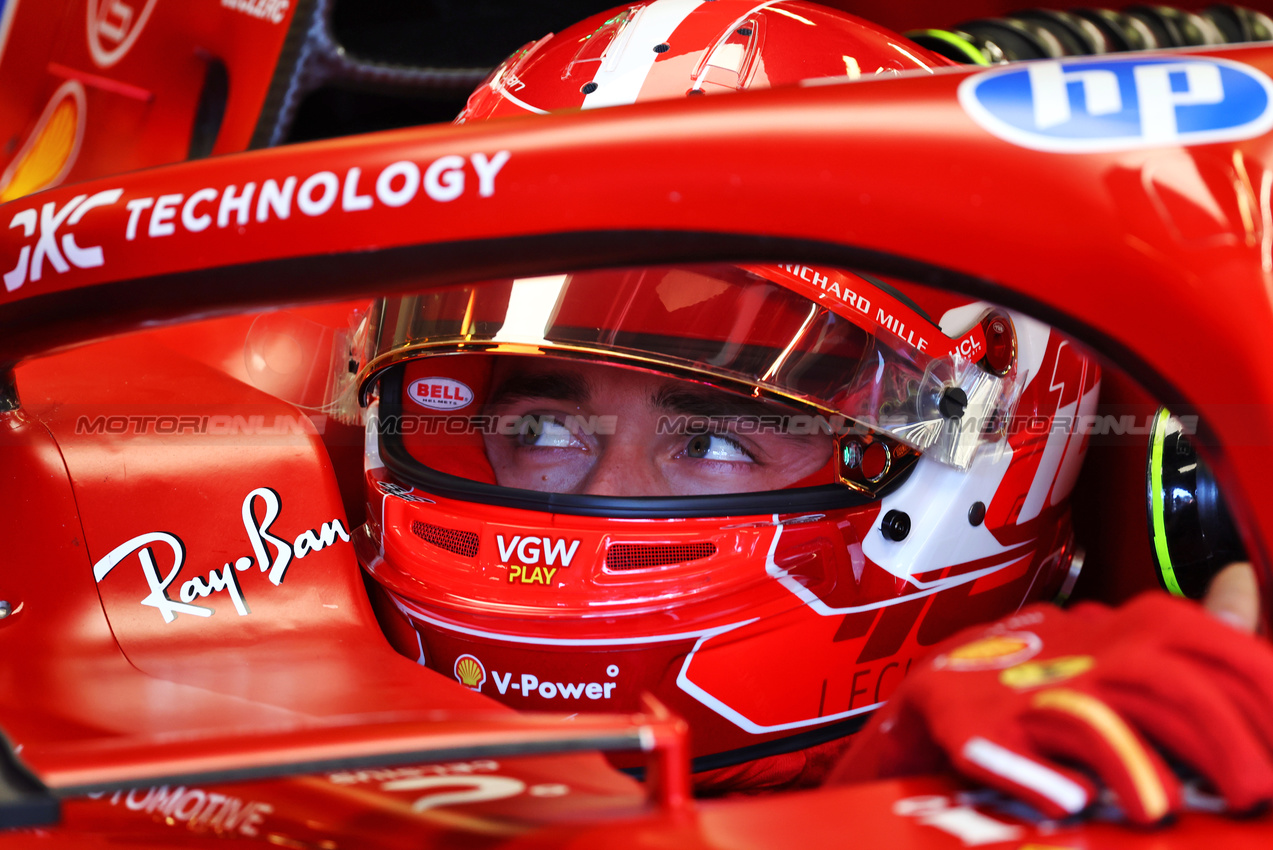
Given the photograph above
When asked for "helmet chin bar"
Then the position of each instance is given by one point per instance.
(406, 469)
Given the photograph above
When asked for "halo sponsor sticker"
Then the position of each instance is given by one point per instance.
(440, 393)
(1089, 105)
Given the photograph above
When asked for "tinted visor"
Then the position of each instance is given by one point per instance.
(813, 343)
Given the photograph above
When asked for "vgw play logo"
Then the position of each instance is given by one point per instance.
(1111, 104)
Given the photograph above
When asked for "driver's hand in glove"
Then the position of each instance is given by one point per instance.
(1047, 704)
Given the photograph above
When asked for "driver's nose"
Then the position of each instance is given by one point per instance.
(625, 468)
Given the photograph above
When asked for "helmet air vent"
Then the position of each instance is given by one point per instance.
(647, 556)
(603, 47)
(728, 64)
(451, 539)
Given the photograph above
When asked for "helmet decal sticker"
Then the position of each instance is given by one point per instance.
(440, 393)
(528, 684)
(527, 552)
(747, 724)
(415, 612)
(1007, 556)
(470, 672)
(528, 549)
(1111, 104)
(388, 488)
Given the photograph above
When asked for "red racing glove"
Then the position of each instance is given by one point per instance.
(1042, 703)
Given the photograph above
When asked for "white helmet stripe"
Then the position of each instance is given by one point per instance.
(631, 56)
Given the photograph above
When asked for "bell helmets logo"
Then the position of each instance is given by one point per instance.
(440, 393)
(1110, 104)
(994, 652)
(470, 672)
(113, 27)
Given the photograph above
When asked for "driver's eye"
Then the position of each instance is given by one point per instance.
(543, 432)
(715, 447)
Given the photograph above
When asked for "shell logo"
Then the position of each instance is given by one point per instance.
(51, 149)
(470, 672)
(994, 652)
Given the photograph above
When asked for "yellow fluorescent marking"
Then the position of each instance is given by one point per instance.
(1101, 718)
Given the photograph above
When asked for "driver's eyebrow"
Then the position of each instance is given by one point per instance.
(677, 398)
(554, 386)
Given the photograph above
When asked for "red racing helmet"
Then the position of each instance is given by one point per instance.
(676, 48)
(755, 491)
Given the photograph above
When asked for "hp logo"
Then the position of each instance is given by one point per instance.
(1110, 104)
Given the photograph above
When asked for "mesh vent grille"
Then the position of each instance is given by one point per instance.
(644, 556)
(451, 539)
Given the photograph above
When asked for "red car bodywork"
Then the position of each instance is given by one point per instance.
(295, 722)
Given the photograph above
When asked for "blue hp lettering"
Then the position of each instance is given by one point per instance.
(1107, 104)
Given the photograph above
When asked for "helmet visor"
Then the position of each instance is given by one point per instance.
(714, 354)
